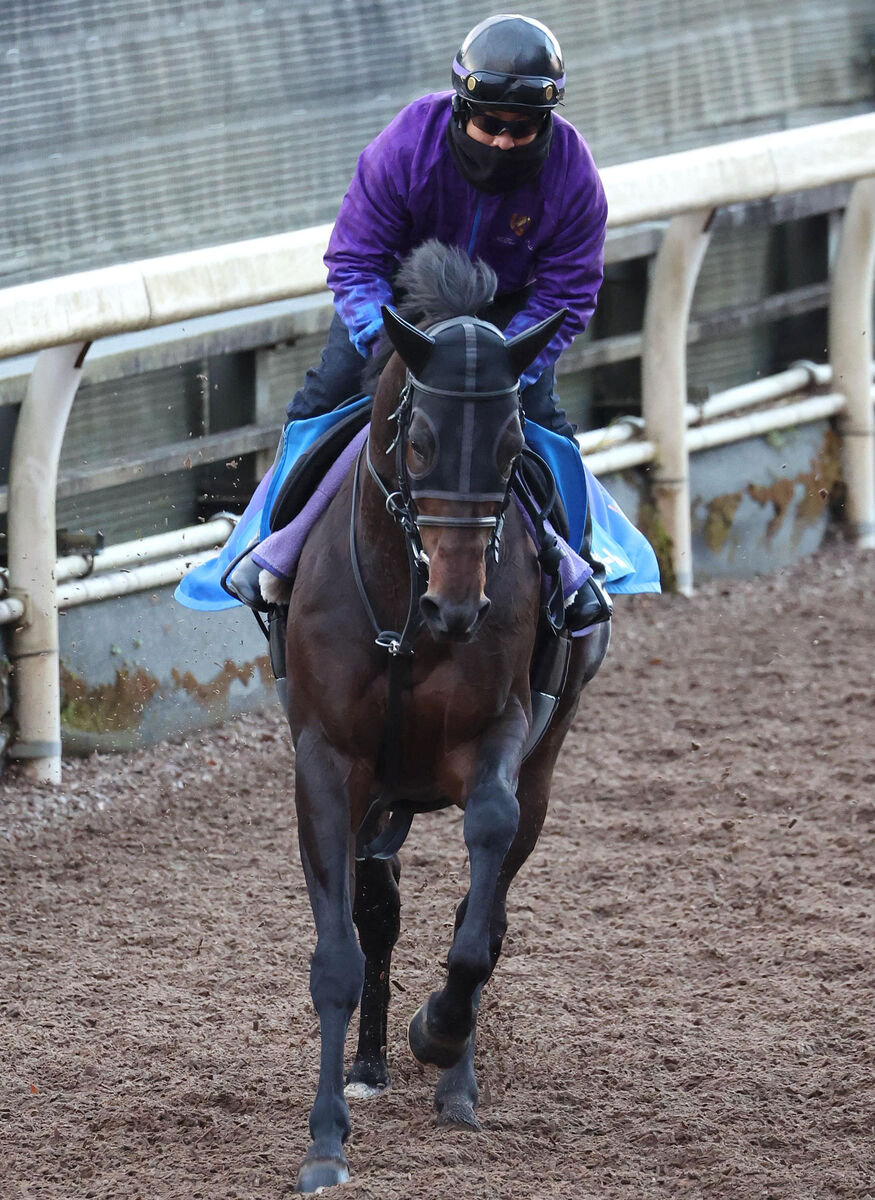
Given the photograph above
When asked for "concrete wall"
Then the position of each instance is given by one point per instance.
(141, 669)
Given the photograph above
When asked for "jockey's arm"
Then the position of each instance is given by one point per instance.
(568, 273)
(364, 247)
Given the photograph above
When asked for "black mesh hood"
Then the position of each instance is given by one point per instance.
(469, 355)
(467, 396)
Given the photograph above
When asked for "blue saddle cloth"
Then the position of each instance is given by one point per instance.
(630, 564)
(629, 561)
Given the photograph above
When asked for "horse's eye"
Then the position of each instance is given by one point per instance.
(420, 446)
(509, 447)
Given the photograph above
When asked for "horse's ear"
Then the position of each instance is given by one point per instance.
(412, 344)
(526, 346)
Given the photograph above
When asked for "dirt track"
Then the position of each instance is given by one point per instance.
(685, 1005)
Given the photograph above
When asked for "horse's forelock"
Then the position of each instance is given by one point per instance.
(435, 282)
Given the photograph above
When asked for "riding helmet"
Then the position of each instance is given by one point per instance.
(510, 62)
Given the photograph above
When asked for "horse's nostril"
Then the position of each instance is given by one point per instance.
(431, 611)
(454, 620)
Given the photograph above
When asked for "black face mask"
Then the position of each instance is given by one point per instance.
(492, 170)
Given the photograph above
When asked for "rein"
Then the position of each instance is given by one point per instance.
(370, 841)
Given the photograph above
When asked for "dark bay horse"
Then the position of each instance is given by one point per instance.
(421, 548)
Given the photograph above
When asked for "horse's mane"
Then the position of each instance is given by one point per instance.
(433, 283)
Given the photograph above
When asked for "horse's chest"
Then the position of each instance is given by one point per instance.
(449, 707)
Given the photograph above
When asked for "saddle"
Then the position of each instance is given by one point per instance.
(312, 465)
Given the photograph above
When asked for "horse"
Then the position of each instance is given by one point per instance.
(422, 547)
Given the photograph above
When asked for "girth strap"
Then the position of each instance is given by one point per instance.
(370, 842)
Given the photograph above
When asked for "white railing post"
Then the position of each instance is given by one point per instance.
(850, 350)
(33, 475)
(664, 379)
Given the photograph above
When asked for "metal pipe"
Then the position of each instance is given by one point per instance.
(617, 434)
(664, 379)
(11, 610)
(721, 433)
(747, 395)
(850, 344)
(621, 458)
(122, 583)
(111, 584)
(33, 476)
(736, 429)
(195, 537)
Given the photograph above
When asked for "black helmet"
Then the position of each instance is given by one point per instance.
(510, 62)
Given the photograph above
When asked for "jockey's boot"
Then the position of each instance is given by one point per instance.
(591, 604)
(243, 582)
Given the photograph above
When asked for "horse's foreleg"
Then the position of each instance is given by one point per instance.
(441, 1030)
(337, 966)
(377, 916)
(456, 1095)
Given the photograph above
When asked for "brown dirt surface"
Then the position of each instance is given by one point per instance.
(685, 1002)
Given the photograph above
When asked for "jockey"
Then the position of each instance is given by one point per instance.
(489, 167)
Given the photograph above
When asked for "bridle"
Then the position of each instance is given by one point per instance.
(401, 506)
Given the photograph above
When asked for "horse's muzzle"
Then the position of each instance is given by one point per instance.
(453, 622)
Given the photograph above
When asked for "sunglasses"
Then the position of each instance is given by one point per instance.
(493, 126)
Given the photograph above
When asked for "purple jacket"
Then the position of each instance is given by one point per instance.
(407, 188)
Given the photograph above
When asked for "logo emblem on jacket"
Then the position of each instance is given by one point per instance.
(519, 223)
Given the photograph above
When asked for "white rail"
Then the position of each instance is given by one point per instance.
(127, 555)
(61, 317)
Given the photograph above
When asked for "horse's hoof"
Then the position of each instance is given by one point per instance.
(359, 1090)
(367, 1077)
(321, 1172)
(430, 1050)
(458, 1111)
